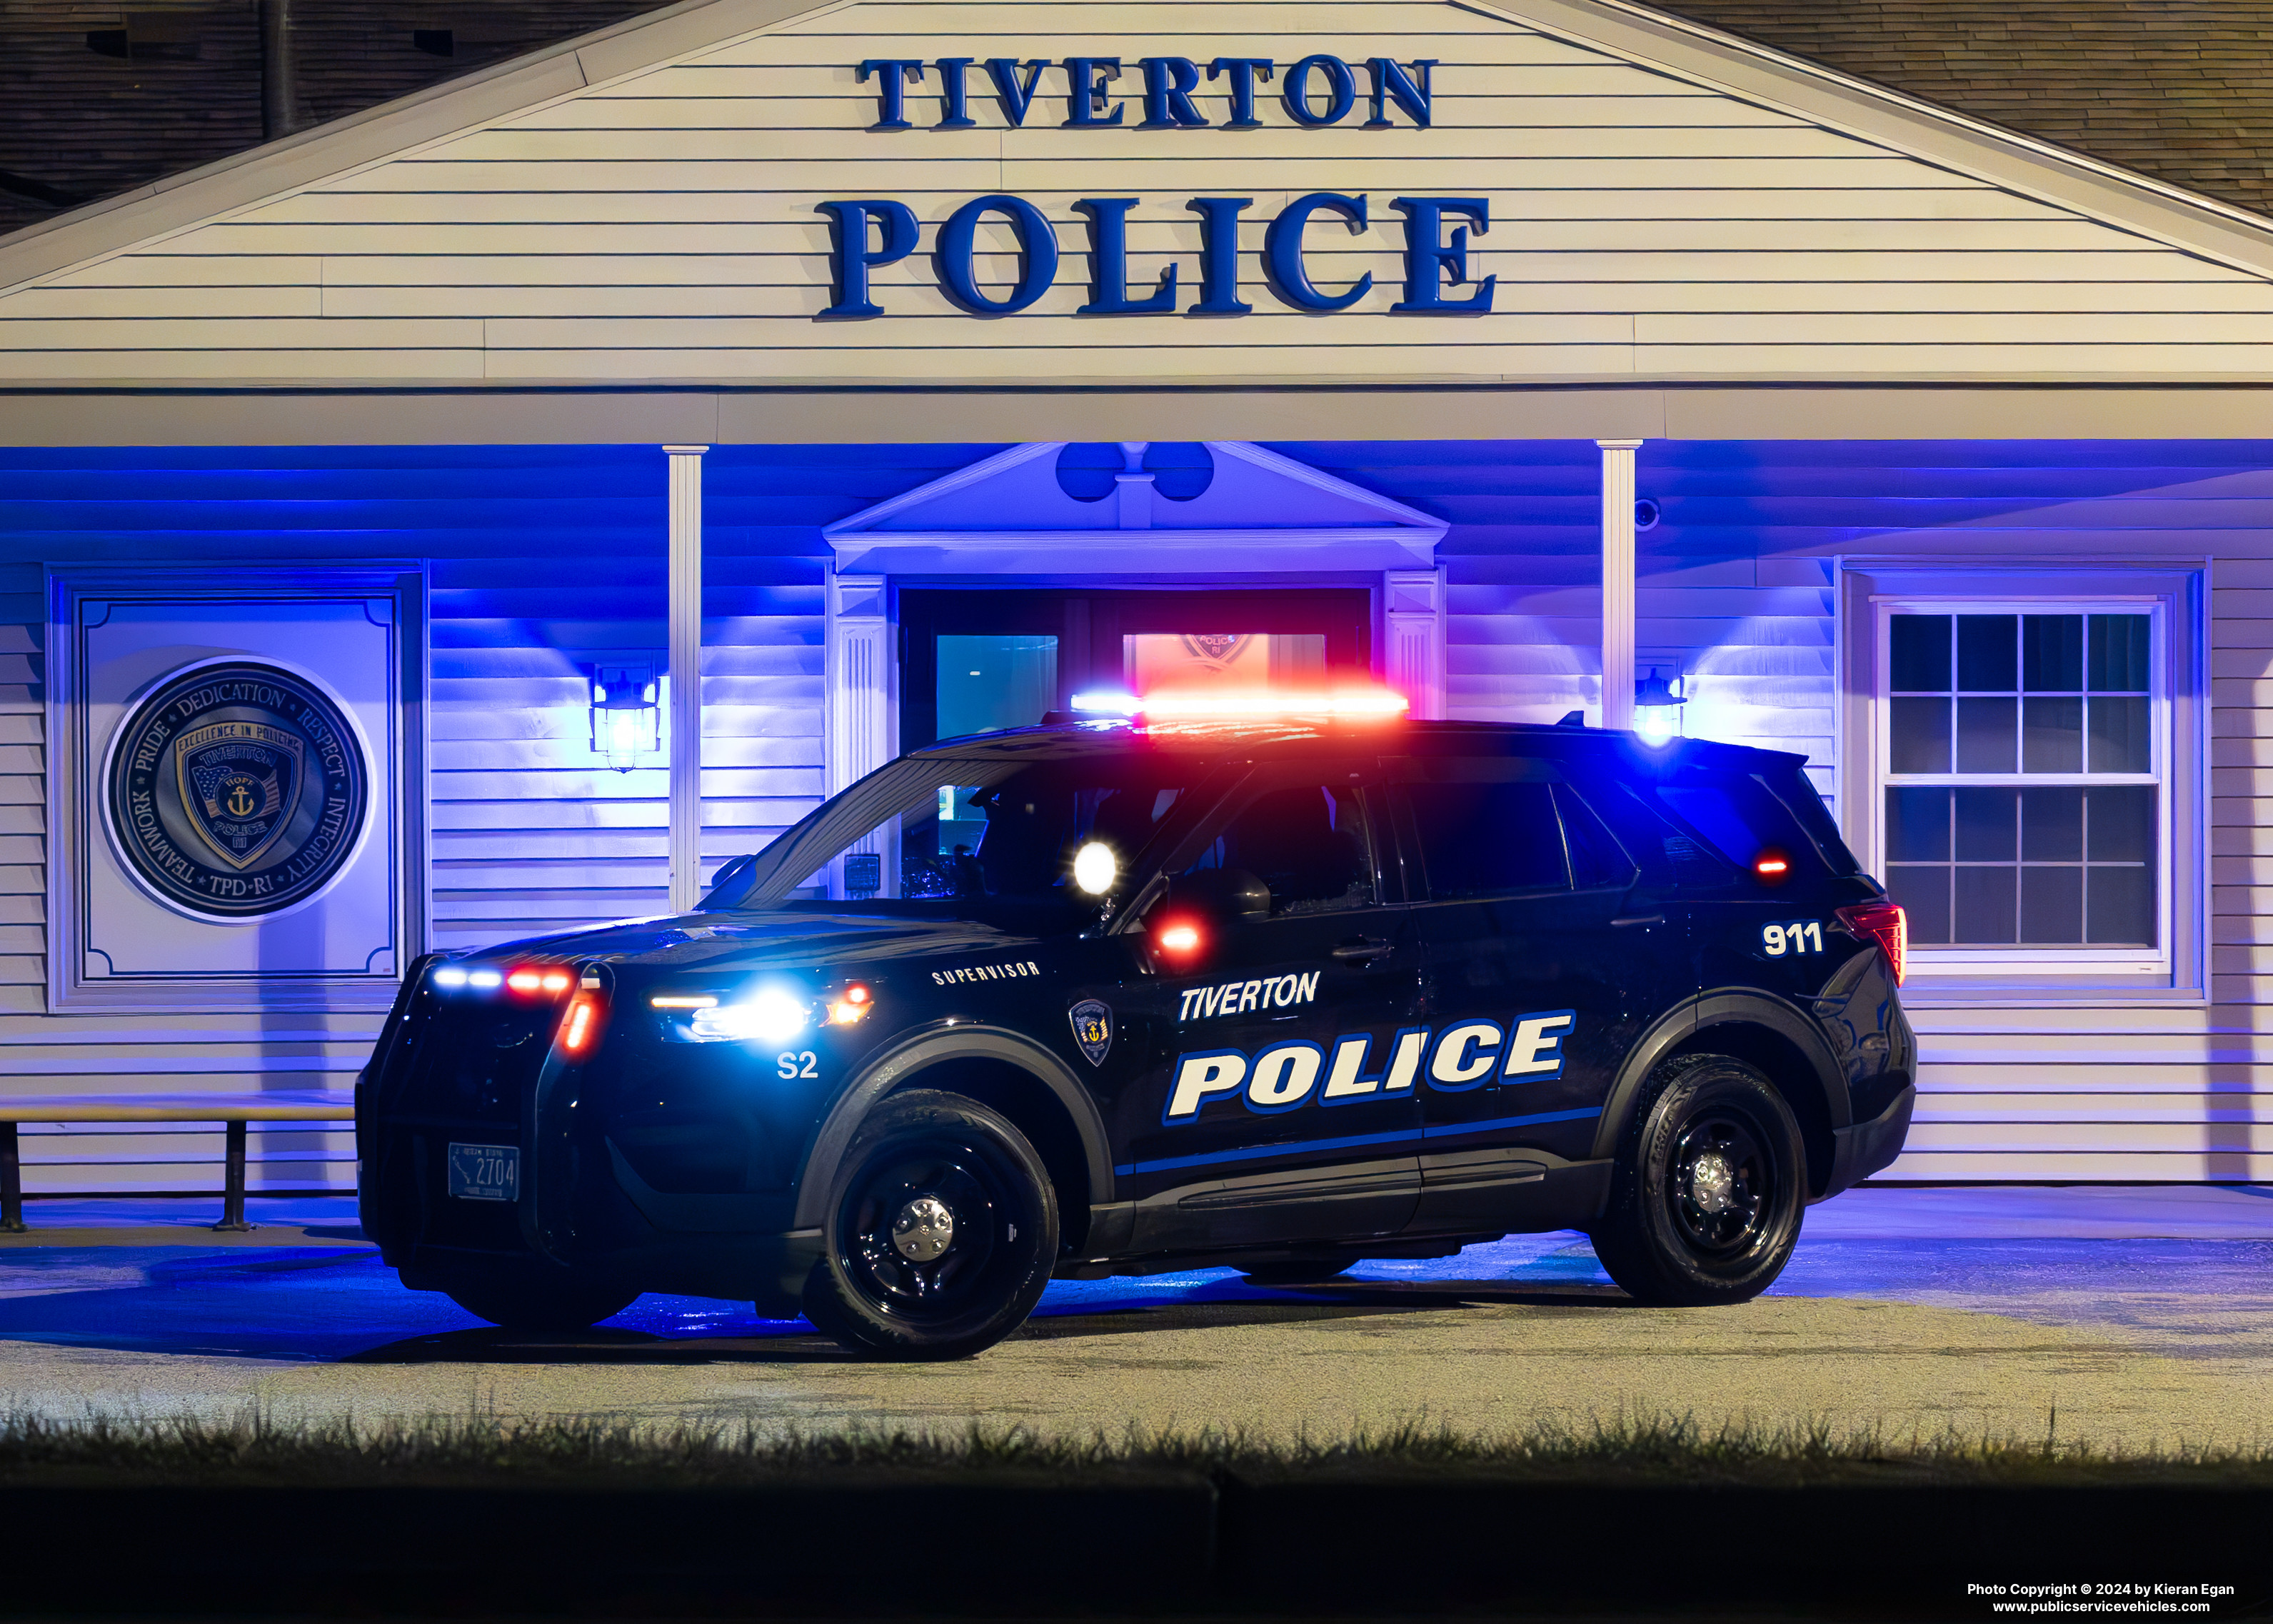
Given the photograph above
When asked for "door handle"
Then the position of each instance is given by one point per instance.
(1364, 950)
(1638, 919)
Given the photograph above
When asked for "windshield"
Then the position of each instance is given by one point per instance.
(934, 828)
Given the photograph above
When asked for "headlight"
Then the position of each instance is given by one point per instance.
(770, 1016)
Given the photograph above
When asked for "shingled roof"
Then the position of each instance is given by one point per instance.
(95, 98)
(2181, 90)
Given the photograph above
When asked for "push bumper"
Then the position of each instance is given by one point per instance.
(1862, 1149)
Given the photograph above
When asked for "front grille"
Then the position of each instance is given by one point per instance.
(474, 1062)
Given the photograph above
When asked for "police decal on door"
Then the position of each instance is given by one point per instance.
(1463, 1054)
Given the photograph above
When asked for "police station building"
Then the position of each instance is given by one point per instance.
(495, 511)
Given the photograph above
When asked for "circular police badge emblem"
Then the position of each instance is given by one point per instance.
(236, 789)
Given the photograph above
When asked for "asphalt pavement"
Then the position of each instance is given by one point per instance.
(2127, 1316)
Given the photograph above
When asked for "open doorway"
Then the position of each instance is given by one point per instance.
(978, 660)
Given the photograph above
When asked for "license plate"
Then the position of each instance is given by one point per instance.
(485, 1172)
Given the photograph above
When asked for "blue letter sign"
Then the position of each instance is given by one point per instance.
(1430, 259)
(1037, 245)
(1282, 250)
(849, 224)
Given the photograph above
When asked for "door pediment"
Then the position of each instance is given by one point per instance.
(1011, 514)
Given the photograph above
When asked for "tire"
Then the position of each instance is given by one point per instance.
(1300, 1271)
(530, 1302)
(1706, 1200)
(941, 1234)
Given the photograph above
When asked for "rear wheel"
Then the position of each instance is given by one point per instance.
(1710, 1186)
(534, 1301)
(941, 1231)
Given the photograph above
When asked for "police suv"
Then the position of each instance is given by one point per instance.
(1103, 998)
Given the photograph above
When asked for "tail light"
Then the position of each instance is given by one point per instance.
(1885, 923)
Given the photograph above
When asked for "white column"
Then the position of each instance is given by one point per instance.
(1413, 638)
(1618, 580)
(685, 675)
(860, 677)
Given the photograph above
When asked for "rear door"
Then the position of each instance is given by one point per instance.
(1545, 961)
(1285, 1109)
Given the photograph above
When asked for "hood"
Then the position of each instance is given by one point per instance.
(763, 941)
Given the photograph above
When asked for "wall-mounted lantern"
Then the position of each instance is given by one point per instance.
(626, 714)
(1657, 708)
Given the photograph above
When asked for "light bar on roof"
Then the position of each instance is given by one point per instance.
(1232, 703)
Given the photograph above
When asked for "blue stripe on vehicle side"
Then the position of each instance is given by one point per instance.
(1450, 1129)
(1399, 1135)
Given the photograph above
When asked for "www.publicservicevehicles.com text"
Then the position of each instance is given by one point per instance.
(2070, 1598)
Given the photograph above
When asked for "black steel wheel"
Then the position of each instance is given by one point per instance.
(942, 1233)
(538, 1299)
(1711, 1184)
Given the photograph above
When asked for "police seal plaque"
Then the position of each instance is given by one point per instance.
(236, 790)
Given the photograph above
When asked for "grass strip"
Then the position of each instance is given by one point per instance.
(257, 1446)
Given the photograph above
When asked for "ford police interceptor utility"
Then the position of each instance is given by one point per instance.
(1105, 997)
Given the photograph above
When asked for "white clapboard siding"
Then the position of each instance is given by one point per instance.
(663, 224)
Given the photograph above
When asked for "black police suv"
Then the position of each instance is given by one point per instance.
(1103, 998)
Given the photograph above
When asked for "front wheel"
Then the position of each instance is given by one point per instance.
(1709, 1189)
(942, 1232)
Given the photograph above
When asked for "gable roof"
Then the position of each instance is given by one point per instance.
(1670, 204)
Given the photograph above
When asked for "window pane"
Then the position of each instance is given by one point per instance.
(1986, 831)
(2119, 734)
(1923, 894)
(1985, 733)
(2051, 825)
(1917, 653)
(2052, 906)
(2121, 820)
(1596, 857)
(2122, 910)
(2051, 652)
(1488, 840)
(1986, 661)
(1918, 825)
(989, 683)
(1308, 844)
(2052, 735)
(1917, 735)
(2119, 654)
(1986, 909)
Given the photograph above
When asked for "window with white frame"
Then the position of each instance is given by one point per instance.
(2023, 758)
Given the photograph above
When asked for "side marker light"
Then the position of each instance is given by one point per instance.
(577, 1031)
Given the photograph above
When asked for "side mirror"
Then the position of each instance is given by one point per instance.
(1224, 896)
